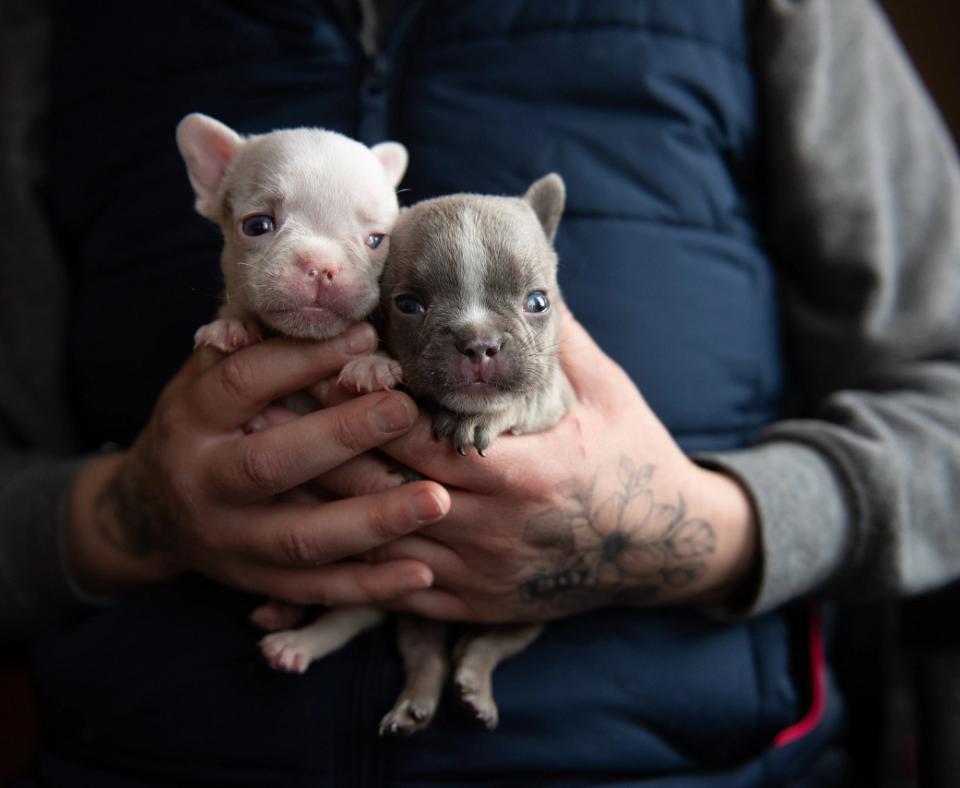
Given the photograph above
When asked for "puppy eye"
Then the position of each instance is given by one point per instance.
(536, 302)
(409, 305)
(258, 224)
(375, 239)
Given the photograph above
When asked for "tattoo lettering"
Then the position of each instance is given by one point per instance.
(624, 548)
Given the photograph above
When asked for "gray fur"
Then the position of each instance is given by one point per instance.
(472, 261)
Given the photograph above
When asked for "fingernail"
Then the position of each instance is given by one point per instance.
(419, 578)
(427, 507)
(322, 389)
(393, 414)
(359, 338)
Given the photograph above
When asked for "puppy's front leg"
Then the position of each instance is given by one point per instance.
(424, 654)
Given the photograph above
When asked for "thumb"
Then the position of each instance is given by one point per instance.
(587, 367)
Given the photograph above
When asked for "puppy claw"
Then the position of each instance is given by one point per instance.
(408, 716)
(285, 651)
(227, 335)
(376, 372)
(476, 694)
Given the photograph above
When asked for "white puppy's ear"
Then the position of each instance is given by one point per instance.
(394, 157)
(547, 197)
(207, 147)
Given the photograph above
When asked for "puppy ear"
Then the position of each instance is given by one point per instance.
(547, 197)
(207, 147)
(394, 157)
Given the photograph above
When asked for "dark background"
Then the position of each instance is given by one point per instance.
(930, 29)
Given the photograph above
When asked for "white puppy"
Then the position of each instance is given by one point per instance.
(306, 216)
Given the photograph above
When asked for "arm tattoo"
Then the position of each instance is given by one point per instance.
(624, 548)
(130, 516)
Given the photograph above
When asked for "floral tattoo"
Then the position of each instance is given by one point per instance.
(643, 548)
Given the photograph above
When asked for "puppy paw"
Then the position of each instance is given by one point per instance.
(227, 336)
(287, 651)
(408, 715)
(375, 372)
(477, 696)
(465, 431)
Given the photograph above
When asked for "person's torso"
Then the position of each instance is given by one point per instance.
(648, 110)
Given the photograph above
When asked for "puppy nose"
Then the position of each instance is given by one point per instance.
(479, 348)
(316, 270)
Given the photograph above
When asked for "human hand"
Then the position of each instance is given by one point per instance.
(604, 508)
(198, 492)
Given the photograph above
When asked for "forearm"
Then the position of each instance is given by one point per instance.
(857, 498)
(111, 542)
(861, 503)
(655, 536)
(36, 588)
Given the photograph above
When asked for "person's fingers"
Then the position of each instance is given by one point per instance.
(586, 365)
(346, 583)
(506, 462)
(435, 603)
(271, 416)
(270, 461)
(299, 535)
(364, 474)
(239, 386)
(445, 563)
(329, 392)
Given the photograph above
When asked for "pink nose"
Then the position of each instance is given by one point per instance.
(314, 270)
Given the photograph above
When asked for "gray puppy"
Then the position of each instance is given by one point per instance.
(470, 298)
(470, 308)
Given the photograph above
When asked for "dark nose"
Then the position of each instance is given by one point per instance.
(479, 348)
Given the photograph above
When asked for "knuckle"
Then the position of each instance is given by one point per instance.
(385, 522)
(348, 432)
(260, 470)
(372, 588)
(296, 548)
(234, 377)
(168, 420)
(181, 486)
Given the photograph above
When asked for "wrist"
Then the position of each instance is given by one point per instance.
(721, 500)
(98, 550)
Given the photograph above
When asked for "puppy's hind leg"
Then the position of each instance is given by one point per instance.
(477, 655)
(422, 645)
(293, 650)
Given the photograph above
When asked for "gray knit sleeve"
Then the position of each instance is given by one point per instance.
(860, 496)
(36, 586)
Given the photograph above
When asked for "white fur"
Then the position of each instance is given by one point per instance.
(314, 273)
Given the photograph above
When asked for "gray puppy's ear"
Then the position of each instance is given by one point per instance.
(207, 147)
(547, 196)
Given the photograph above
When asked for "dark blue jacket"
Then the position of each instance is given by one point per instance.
(648, 108)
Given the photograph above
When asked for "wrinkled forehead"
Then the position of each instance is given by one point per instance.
(311, 173)
(451, 244)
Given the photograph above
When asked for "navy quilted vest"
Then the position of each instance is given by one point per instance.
(648, 109)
